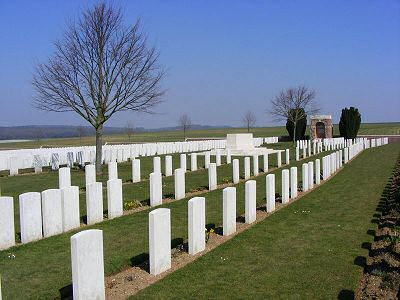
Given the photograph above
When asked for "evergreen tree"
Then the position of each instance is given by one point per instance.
(350, 122)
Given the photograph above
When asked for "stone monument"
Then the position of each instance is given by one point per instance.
(321, 127)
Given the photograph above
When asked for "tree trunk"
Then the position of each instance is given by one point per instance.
(294, 132)
(99, 146)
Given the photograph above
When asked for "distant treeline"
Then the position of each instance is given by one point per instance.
(39, 132)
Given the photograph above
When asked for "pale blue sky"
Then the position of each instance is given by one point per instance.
(225, 57)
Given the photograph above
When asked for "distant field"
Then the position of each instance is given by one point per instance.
(165, 136)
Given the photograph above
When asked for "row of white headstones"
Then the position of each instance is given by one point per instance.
(13, 160)
(55, 211)
(87, 246)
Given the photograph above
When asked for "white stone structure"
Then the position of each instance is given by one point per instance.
(207, 159)
(285, 186)
(183, 162)
(212, 176)
(265, 163)
(179, 184)
(270, 191)
(70, 208)
(156, 164)
(155, 189)
(64, 177)
(193, 162)
(196, 224)
(255, 165)
(250, 201)
(287, 155)
(52, 212)
(317, 171)
(236, 172)
(229, 211)
(218, 157)
(168, 165)
(160, 240)
(90, 174)
(310, 175)
(304, 179)
(293, 182)
(114, 198)
(87, 261)
(136, 170)
(30, 213)
(112, 170)
(247, 168)
(94, 203)
(7, 230)
(279, 159)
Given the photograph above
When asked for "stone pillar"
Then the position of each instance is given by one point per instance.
(168, 165)
(285, 186)
(305, 177)
(193, 162)
(229, 211)
(112, 170)
(70, 208)
(212, 176)
(160, 240)
(7, 229)
(317, 171)
(87, 261)
(90, 174)
(255, 165)
(265, 161)
(179, 184)
(114, 198)
(310, 175)
(287, 153)
(136, 170)
(64, 177)
(94, 203)
(196, 224)
(270, 191)
(183, 162)
(293, 182)
(155, 189)
(236, 174)
(156, 164)
(30, 213)
(250, 201)
(207, 159)
(246, 168)
(279, 159)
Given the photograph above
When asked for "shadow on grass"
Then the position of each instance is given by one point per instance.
(346, 295)
(66, 292)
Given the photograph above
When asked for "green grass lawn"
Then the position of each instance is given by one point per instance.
(42, 269)
(309, 250)
(172, 136)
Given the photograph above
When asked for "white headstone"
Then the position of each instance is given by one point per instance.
(250, 201)
(279, 159)
(212, 176)
(270, 191)
(246, 168)
(94, 203)
(287, 155)
(90, 174)
(179, 184)
(7, 230)
(155, 189)
(70, 208)
(30, 213)
(293, 182)
(14, 165)
(183, 162)
(136, 170)
(114, 198)
(168, 165)
(305, 179)
(64, 177)
(156, 164)
(197, 223)
(317, 171)
(207, 159)
(87, 261)
(51, 212)
(228, 156)
(112, 170)
(297, 154)
(236, 173)
(285, 186)
(229, 211)
(193, 162)
(310, 175)
(160, 240)
(255, 165)
(265, 167)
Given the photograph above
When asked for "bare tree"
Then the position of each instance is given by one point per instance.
(249, 119)
(100, 67)
(185, 123)
(129, 130)
(81, 132)
(293, 104)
